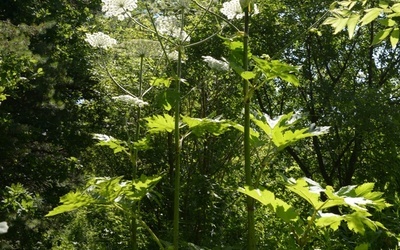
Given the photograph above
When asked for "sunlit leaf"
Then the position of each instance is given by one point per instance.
(394, 37)
(161, 81)
(329, 220)
(301, 188)
(282, 209)
(280, 129)
(396, 7)
(200, 126)
(115, 144)
(142, 144)
(247, 75)
(72, 201)
(277, 69)
(106, 191)
(160, 123)
(371, 15)
(352, 23)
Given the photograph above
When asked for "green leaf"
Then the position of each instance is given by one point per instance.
(163, 81)
(371, 15)
(72, 201)
(247, 75)
(276, 69)
(279, 129)
(355, 222)
(205, 125)
(363, 246)
(396, 7)
(167, 98)
(329, 220)
(158, 123)
(115, 144)
(300, 187)
(387, 22)
(340, 24)
(106, 191)
(351, 24)
(394, 37)
(381, 35)
(142, 144)
(283, 210)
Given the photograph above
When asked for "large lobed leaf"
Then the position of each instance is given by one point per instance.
(106, 191)
(200, 126)
(282, 209)
(160, 123)
(280, 129)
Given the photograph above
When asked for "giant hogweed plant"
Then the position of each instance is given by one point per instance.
(173, 39)
(353, 201)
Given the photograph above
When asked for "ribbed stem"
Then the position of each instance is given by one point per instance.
(135, 161)
(251, 239)
(177, 180)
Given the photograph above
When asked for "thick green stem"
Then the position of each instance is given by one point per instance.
(177, 143)
(177, 156)
(251, 239)
(135, 161)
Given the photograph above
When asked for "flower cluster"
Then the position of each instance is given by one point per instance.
(216, 64)
(100, 40)
(169, 25)
(130, 99)
(118, 8)
(233, 9)
(143, 48)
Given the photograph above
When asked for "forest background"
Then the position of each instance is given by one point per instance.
(153, 144)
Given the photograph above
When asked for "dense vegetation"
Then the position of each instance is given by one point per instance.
(199, 124)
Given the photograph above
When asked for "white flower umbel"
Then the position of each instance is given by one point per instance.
(170, 26)
(119, 8)
(233, 9)
(216, 64)
(100, 40)
(173, 55)
(143, 48)
(3, 227)
(130, 99)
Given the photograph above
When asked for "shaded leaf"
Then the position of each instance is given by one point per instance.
(381, 35)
